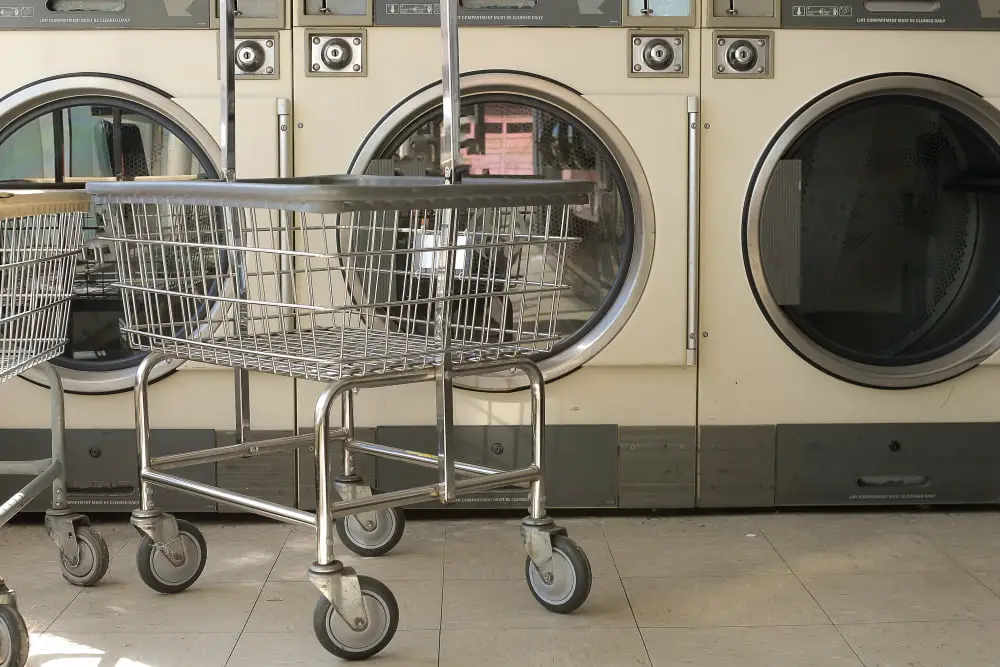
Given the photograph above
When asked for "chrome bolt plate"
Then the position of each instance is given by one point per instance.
(657, 53)
(743, 55)
(256, 49)
(340, 53)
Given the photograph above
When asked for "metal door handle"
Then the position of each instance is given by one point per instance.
(286, 264)
(694, 228)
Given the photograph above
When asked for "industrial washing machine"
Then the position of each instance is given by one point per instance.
(850, 285)
(131, 91)
(605, 91)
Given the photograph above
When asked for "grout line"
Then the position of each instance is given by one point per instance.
(239, 635)
(820, 606)
(444, 562)
(621, 582)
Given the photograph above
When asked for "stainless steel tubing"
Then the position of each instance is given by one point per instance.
(142, 425)
(237, 451)
(499, 479)
(255, 505)
(324, 495)
(416, 458)
(31, 490)
(536, 496)
(383, 500)
(348, 468)
(25, 468)
(57, 407)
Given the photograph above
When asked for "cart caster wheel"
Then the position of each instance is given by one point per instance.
(13, 638)
(348, 644)
(376, 540)
(163, 576)
(571, 578)
(93, 562)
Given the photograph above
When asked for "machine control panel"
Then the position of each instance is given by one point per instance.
(333, 12)
(893, 14)
(745, 13)
(541, 13)
(254, 13)
(136, 14)
(660, 13)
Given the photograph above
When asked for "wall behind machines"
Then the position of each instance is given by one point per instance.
(635, 458)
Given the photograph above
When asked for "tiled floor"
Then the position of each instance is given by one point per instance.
(759, 590)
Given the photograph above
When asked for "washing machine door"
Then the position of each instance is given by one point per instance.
(872, 231)
(521, 126)
(75, 128)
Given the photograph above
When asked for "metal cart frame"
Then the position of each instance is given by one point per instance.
(38, 324)
(356, 616)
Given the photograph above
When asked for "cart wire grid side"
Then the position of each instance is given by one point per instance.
(41, 239)
(357, 282)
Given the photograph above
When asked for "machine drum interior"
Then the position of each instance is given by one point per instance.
(76, 140)
(878, 235)
(504, 136)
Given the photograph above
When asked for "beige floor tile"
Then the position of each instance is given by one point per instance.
(695, 556)
(229, 562)
(409, 648)
(824, 520)
(722, 601)
(418, 556)
(956, 644)
(288, 606)
(479, 550)
(41, 603)
(814, 551)
(971, 548)
(87, 649)
(603, 647)
(487, 604)
(737, 525)
(885, 598)
(968, 521)
(990, 579)
(808, 646)
(205, 607)
(31, 548)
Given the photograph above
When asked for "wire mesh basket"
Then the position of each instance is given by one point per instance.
(204, 268)
(41, 237)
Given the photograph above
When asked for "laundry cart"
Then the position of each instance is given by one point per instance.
(399, 280)
(41, 237)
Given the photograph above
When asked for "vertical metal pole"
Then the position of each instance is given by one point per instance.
(447, 236)
(58, 406)
(227, 82)
(694, 225)
(324, 485)
(349, 469)
(142, 426)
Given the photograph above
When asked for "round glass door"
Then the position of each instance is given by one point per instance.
(66, 143)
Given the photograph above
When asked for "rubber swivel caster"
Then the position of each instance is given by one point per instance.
(345, 642)
(571, 577)
(164, 575)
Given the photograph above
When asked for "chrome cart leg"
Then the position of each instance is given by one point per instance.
(172, 553)
(84, 553)
(365, 533)
(556, 568)
(357, 616)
